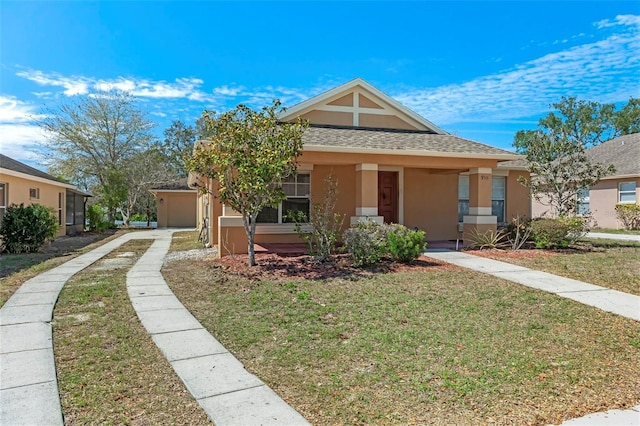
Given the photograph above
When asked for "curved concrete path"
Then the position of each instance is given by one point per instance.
(28, 386)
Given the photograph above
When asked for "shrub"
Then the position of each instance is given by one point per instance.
(549, 233)
(577, 227)
(629, 215)
(404, 244)
(96, 218)
(518, 232)
(366, 242)
(488, 239)
(24, 229)
(325, 223)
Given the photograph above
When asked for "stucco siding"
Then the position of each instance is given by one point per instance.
(177, 209)
(603, 198)
(431, 203)
(48, 195)
(517, 200)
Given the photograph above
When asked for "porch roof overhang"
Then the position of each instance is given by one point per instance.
(396, 142)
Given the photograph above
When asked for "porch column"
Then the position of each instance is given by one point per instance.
(480, 218)
(366, 194)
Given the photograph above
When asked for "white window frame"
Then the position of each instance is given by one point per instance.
(295, 196)
(61, 202)
(4, 199)
(584, 199)
(503, 198)
(36, 191)
(622, 192)
(463, 183)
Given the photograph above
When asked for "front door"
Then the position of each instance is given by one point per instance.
(388, 196)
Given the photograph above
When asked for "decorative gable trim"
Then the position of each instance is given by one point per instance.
(335, 100)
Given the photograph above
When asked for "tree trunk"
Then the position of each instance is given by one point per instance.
(250, 229)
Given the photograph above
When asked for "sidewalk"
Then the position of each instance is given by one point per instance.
(28, 386)
(625, 237)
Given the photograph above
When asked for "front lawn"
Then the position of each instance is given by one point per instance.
(15, 269)
(613, 264)
(109, 369)
(436, 345)
(616, 231)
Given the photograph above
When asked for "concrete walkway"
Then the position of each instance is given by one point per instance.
(624, 237)
(228, 393)
(617, 302)
(28, 386)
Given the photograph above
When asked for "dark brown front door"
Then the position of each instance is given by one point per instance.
(388, 196)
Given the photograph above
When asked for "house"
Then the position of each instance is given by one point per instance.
(391, 164)
(622, 187)
(22, 184)
(176, 205)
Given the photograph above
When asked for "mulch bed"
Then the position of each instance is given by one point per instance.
(275, 266)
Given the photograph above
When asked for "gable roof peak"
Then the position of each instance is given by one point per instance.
(303, 106)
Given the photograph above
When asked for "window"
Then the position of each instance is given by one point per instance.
(497, 197)
(297, 189)
(498, 190)
(60, 201)
(463, 197)
(3, 200)
(34, 193)
(583, 202)
(627, 192)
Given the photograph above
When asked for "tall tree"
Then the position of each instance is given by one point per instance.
(556, 151)
(249, 154)
(92, 137)
(143, 171)
(177, 145)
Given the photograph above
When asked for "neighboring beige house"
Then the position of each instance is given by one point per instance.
(391, 164)
(622, 187)
(20, 183)
(176, 205)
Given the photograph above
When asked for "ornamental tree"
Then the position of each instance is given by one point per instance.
(248, 154)
(556, 151)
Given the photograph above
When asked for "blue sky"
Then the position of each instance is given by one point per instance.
(479, 69)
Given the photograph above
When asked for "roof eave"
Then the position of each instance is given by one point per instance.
(421, 153)
(10, 172)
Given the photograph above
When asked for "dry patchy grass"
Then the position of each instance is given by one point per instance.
(435, 345)
(15, 269)
(109, 370)
(608, 263)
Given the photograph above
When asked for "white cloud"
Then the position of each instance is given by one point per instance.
(228, 91)
(19, 135)
(606, 70)
(189, 88)
(13, 110)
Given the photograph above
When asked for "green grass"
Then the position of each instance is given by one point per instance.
(617, 231)
(109, 370)
(185, 240)
(438, 346)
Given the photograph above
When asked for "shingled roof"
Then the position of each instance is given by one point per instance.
(16, 166)
(365, 140)
(177, 185)
(622, 152)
